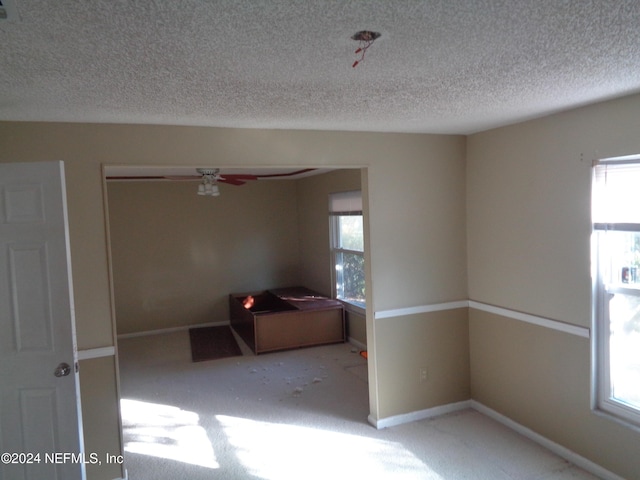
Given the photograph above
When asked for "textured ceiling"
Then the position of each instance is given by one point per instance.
(449, 66)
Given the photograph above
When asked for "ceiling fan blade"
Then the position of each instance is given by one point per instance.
(238, 176)
(182, 177)
(145, 177)
(231, 181)
(288, 174)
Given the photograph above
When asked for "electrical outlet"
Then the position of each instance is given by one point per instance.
(423, 374)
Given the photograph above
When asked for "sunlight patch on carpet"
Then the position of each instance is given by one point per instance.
(165, 431)
(273, 451)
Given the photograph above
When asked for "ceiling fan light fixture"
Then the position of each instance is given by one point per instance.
(209, 185)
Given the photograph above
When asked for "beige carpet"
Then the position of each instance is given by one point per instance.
(297, 415)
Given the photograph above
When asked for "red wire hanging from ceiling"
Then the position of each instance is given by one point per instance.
(366, 39)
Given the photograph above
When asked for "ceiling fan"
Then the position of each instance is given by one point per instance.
(210, 177)
(213, 175)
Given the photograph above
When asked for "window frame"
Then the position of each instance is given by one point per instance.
(353, 208)
(603, 291)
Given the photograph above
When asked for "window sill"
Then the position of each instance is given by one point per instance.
(624, 288)
(605, 414)
(353, 307)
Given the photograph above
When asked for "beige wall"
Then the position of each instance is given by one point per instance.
(528, 228)
(540, 378)
(100, 415)
(356, 328)
(178, 255)
(437, 341)
(416, 223)
(528, 201)
(418, 247)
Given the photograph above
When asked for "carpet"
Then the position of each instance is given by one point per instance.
(297, 414)
(210, 343)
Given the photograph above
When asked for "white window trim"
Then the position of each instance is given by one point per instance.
(603, 402)
(357, 308)
(340, 204)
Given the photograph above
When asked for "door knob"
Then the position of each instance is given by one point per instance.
(62, 370)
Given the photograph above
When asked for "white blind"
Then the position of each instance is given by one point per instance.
(616, 195)
(346, 203)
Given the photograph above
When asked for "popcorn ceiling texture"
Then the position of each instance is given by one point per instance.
(458, 66)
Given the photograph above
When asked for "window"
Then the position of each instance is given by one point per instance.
(616, 261)
(347, 247)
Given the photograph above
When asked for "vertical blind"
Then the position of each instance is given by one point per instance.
(616, 195)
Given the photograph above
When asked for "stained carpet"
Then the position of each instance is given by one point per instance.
(211, 343)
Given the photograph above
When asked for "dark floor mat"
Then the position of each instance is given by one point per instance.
(210, 343)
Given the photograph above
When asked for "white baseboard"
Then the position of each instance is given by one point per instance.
(419, 415)
(556, 448)
(356, 343)
(559, 450)
(171, 330)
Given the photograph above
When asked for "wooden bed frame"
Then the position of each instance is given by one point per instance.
(286, 318)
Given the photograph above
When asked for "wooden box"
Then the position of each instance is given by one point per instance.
(286, 318)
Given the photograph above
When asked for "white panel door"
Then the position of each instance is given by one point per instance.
(39, 394)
